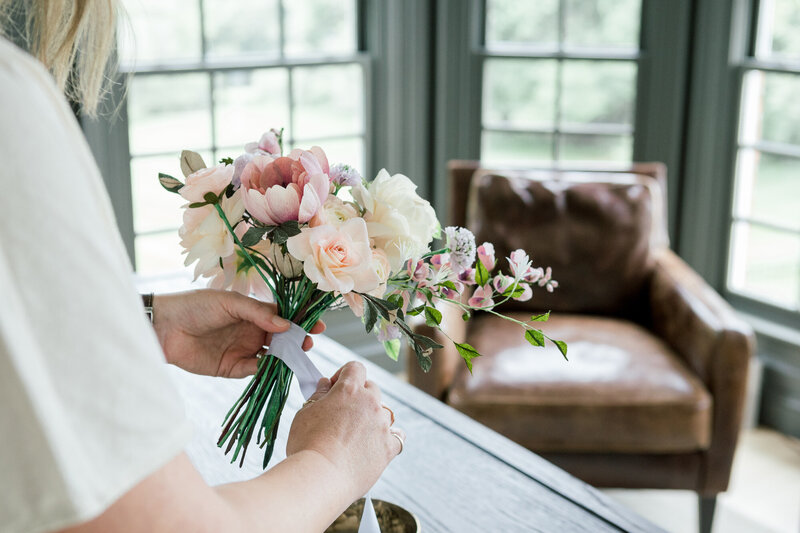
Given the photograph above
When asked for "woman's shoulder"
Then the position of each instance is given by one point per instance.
(25, 84)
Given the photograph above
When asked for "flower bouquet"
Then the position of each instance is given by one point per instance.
(310, 236)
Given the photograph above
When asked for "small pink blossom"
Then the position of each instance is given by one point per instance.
(527, 293)
(481, 298)
(547, 282)
(452, 294)
(440, 260)
(467, 276)
(268, 144)
(502, 282)
(388, 331)
(417, 271)
(345, 175)
(486, 255)
(533, 275)
(520, 263)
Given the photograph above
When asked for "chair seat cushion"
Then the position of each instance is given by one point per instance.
(622, 390)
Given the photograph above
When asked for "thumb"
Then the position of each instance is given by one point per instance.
(323, 388)
(261, 314)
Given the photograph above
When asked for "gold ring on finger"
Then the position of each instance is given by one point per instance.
(390, 413)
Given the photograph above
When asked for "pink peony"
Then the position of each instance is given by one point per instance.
(482, 297)
(206, 180)
(286, 188)
(337, 259)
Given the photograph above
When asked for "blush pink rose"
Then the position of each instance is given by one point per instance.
(286, 188)
(336, 259)
(206, 180)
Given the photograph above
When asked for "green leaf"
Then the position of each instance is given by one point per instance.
(370, 315)
(433, 317)
(423, 359)
(226, 161)
(191, 162)
(392, 348)
(465, 316)
(253, 236)
(449, 284)
(211, 198)
(396, 300)
(428, 294)
(562, 347)
(468, 353)
(541, 318)
(198, 204)
(535, 337)
(291, 227)
(417, 310)
(279, 236)
(169, 183)
(481, 274)
(514, 291)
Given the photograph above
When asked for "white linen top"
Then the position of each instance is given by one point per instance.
(87, 409)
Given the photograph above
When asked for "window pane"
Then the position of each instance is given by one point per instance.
(328, 101)
(519, 93)
(765, 264)
(169, 112)
(768, 188)
(514, 24)
(778, 34)
(250, 102)
(602, 23)
(598, 92)
(595, 147)
(154, 208)
(160, 32)
(159, 254)
(508, 149)
(233, 32)
(320, 27)
(771, 107)
(348, 151)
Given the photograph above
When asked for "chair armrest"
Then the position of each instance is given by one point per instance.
(715, 343)
(446, 360)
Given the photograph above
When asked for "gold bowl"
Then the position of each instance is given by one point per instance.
(392, 518)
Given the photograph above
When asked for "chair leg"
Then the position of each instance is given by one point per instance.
(705, 506)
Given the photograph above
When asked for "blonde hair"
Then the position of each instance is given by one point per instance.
(74, 39)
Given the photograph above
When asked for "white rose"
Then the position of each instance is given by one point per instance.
(205, 237)
(398, 221)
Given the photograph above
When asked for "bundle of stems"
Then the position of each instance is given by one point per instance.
(298, 300)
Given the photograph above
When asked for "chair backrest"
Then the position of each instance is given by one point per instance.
(596, 229)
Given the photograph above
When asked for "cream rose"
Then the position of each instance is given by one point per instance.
(334, 212)
(400, 222)
(336, 259)
(205, 180)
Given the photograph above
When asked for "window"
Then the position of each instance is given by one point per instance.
(559, 81)
(210, 75)
(764, 257)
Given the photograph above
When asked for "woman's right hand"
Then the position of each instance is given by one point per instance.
(347, 425)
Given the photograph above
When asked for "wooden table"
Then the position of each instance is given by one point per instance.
(455, 474)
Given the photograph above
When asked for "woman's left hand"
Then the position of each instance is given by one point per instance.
(216, 333)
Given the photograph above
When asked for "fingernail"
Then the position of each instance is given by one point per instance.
(280, 322)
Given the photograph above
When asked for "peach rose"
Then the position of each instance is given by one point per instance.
(286, 188)
(336, 259)
(206, 180)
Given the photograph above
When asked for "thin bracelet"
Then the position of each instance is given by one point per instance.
(147, 301)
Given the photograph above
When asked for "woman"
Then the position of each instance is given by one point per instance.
(92, 432)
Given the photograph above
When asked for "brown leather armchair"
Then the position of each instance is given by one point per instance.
(653, 392)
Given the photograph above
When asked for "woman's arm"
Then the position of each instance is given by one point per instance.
(338, 447)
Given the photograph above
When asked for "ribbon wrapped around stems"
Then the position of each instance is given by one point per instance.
(288, 347)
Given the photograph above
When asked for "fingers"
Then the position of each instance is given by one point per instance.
(244, 367)
(319, 327)
(261, 314)
(323, 388)
(351, 374)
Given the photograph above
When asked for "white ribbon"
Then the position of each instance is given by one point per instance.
(288, 347)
